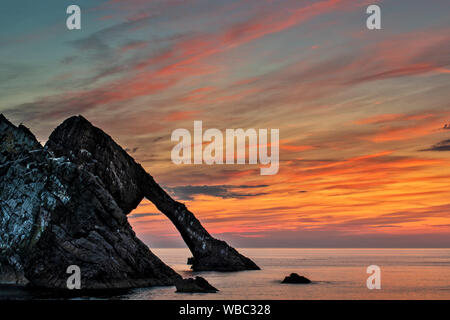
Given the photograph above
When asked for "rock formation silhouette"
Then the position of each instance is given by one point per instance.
(128, 183)
(66, 204)
(54, 214)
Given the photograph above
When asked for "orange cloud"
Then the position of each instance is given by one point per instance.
(396, 133)
(296, 148)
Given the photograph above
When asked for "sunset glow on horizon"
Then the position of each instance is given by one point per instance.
(363, 115)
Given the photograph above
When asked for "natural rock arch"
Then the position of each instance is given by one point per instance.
(54, 214)
(128, 183)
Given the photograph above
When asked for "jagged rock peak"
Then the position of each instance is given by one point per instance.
(14, 139)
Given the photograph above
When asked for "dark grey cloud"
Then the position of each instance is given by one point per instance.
(221, 191)
(98, 39)
(441, 146)
(100, 49)
(145, 214)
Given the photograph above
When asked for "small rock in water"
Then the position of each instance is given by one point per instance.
(198, 284)
(295, 278)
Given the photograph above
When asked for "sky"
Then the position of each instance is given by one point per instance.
(363, 115)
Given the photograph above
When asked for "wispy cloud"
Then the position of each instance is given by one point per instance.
(441, 146)
(221, 191)
(355, 108)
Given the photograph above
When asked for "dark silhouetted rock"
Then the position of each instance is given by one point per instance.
(54, 213)
(191, 285)
(295, 278)
(128, 183)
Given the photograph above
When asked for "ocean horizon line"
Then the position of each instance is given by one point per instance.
(316, 248)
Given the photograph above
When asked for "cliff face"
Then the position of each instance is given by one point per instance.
(17, 218)
(92, 149)
(66, 204)
(54, 214)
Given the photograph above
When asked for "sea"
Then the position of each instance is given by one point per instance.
(335, 274)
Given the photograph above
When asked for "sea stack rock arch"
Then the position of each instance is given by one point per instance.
(54, 214)
(66, 203)
(128, 183)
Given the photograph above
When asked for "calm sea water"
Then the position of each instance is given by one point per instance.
(336, 274)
